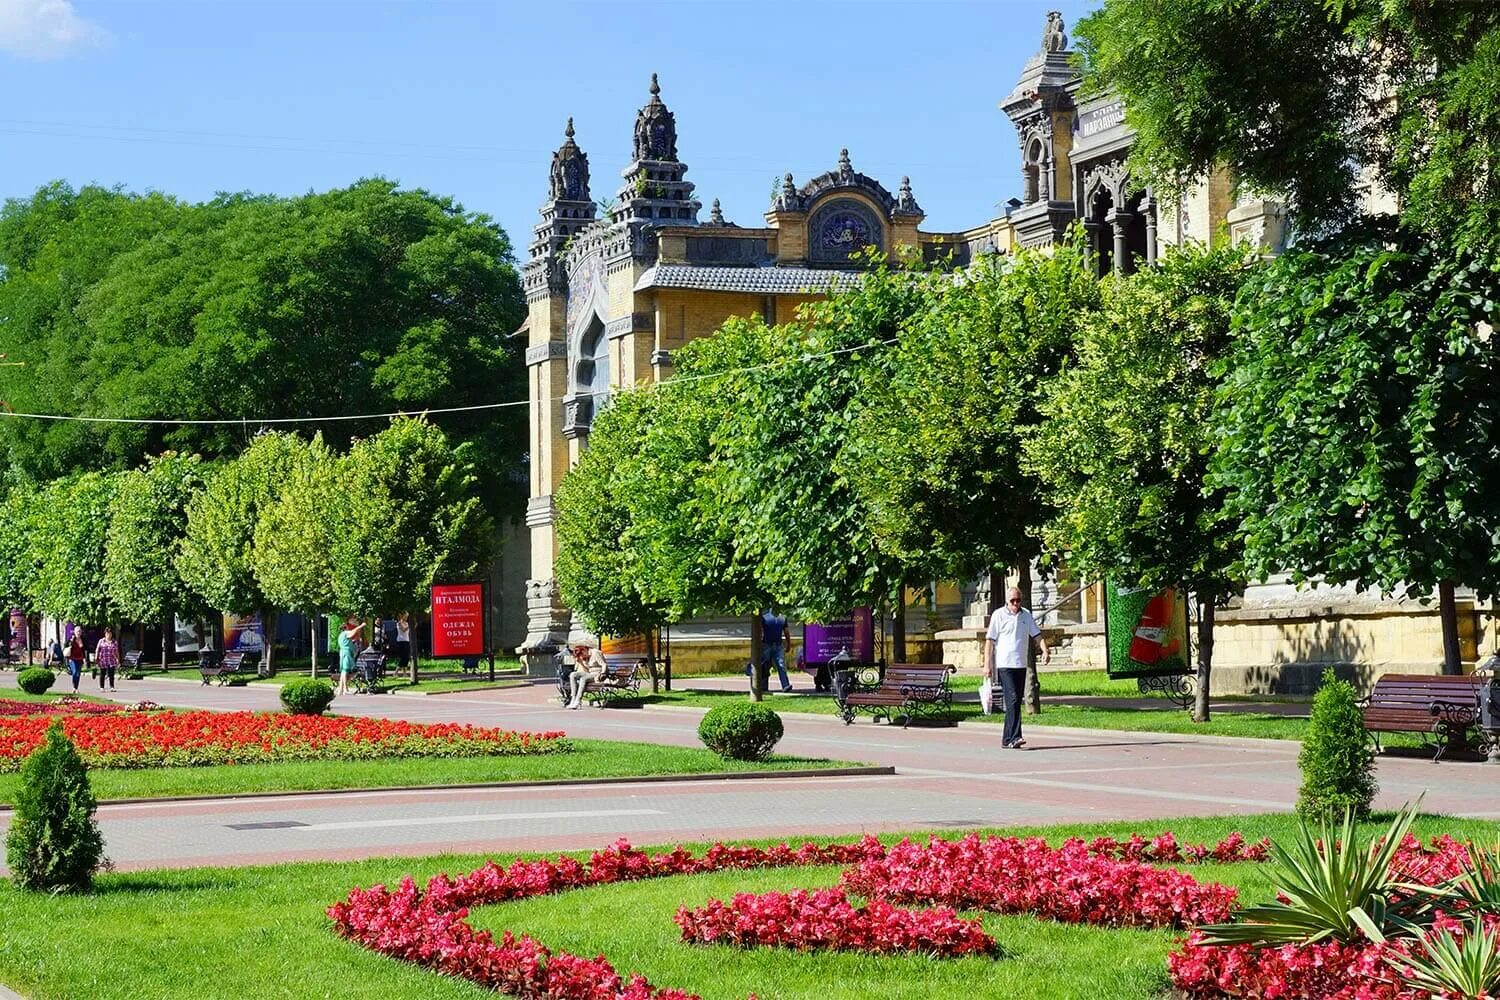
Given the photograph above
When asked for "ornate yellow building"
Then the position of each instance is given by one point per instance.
(611, 298)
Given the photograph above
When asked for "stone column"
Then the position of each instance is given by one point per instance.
(547, 619)
(1093, 233)
(1120, 222)
(1150, 209)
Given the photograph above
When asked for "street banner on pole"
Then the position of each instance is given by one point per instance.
(457, 619)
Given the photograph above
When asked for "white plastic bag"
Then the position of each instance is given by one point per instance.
(987, 696)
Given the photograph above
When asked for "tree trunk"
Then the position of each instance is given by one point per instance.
(653, 653)
(898, 627)
(312, 646)
(269, 620)
(1032, 698)
(1448, 611)
(411, 652)
(1205, 656)
(168, 635)
(997, 593)
(757, 688)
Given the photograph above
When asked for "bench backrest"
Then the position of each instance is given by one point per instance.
(133, 658)
(1419, 691)
(624, 664)
(232, 661)
(916, 674)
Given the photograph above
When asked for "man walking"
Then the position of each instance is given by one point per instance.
(1005, 647)
(773, 648)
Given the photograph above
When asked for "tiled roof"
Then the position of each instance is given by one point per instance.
(763, 280)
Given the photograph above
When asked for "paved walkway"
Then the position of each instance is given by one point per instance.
(947, 778)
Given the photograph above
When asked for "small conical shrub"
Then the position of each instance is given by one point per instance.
(1337, 759)
(54, 844)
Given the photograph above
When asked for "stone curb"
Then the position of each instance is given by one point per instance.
(812, 772)
(1254, 741)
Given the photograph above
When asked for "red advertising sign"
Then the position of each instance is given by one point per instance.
(458, 619)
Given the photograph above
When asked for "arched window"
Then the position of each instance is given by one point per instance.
(591, 377)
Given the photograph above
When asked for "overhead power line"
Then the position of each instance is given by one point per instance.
(6, 412)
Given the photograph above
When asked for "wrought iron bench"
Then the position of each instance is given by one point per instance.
(907, 689)
(621, 680)
(1442, 709)
(224, 667)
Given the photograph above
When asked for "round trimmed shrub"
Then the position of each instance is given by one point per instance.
(53, 844)
(1337, 760)
(740, 731)
(306, 696)
(36, 680)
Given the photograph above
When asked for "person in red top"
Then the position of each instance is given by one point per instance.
(77, 656)
(107, 658)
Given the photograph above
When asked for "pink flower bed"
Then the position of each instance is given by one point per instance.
(1011, 875)
(63, 706)
(825, 919)
(429, 927)
(1165, 850)
(1329, 970)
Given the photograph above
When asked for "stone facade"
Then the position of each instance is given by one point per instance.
(612, 298)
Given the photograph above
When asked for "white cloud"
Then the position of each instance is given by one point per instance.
(45, 29)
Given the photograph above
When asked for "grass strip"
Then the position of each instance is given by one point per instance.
(588, 759)
(233, 932)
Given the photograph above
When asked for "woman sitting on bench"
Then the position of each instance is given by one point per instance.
(588, 665)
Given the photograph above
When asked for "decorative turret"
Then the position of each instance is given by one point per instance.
(906, 202)
(655, 190)
(1042, 109)
(568, 209)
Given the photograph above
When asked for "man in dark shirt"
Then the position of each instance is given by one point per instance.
(773, 648)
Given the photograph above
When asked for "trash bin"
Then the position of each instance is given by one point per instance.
(841, 666)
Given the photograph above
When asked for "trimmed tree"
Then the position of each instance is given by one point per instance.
(67, 543)
(1125, 446)
(147, 520)
(53, 844)
(1336, 759)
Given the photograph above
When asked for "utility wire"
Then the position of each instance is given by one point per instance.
(6, 412)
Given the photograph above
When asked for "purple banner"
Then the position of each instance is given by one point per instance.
(855, 633)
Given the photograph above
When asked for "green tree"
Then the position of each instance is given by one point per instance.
(1125, 444)
(217, 556)
(292, 542)
(67, 542)
(1357, 426)
(53, 844)
(366, 298)
(1336, 760)
(147, 518)
(408, 514)
(1294, 96)
(17, 563)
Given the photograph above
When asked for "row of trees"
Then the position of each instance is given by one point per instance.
(287, 524)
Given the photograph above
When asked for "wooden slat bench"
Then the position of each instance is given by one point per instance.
(1441, 708)
(622, 679)
(132, 663)
(910, 689)
(222, 668)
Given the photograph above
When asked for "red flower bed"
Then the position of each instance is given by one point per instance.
(825, 919)
(1165, 849)
(186, 739)
(1328, 970)
(430, 928)
(61, 707)
(1067, 884)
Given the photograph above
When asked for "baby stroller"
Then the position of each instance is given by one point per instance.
(369, 671)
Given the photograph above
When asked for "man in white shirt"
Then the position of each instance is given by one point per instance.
(1005, 647)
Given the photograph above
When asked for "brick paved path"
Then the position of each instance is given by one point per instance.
(946, 778)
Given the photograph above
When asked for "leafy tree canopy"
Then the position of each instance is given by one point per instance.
(66, 537)
(1127, 436)
(367, 298)
(935, 438)
(1358, 416)
(292, 550)
(1294, 95)
(147, 517)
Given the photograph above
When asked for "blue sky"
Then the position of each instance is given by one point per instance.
(469, 99)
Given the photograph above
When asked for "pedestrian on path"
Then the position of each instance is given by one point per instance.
(107, 658)
(773, 648)
(1005, 647)
(403, 639)
(77, 656)
(347, 636)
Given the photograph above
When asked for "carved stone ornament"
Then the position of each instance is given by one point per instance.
(570, 170)
(655, 129)
(1054, 39)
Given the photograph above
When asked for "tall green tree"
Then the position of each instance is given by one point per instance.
(67, 541)
(366, 298)
(217, 556)
(1296, 97)
(1358, 421)
(147, 518)
(408, 514)
(1124, 448)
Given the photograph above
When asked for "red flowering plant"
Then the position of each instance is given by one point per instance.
(63, 706)
(184, 739)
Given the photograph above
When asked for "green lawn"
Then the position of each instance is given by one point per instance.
(589, 759)
(59, 688)
(213, 932)
(1166, 719)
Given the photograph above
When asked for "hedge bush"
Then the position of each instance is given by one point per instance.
(740, 731)
(53, 844)
(1337, 760)
(36, 680)
(306, 696)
